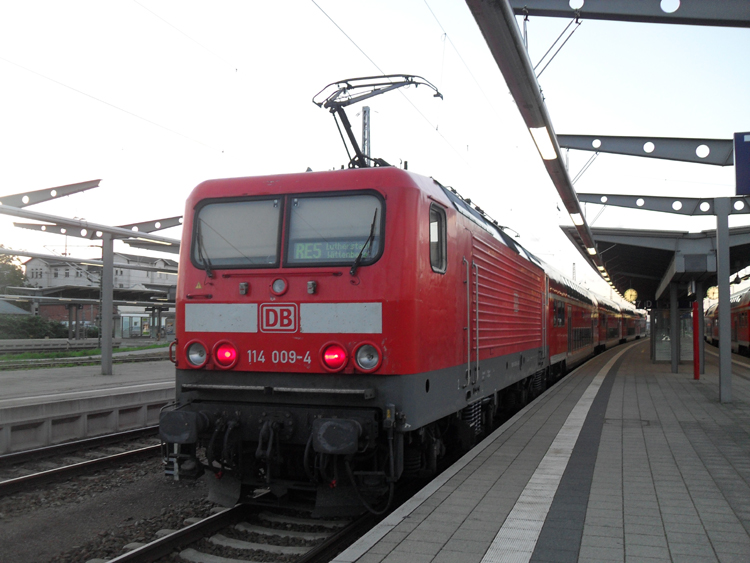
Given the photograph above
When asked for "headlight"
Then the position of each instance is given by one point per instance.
(367, 357)
(278, 287)
(196, 354)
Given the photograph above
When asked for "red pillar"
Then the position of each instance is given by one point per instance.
(696, 343)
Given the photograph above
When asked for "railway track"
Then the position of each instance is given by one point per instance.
(250, 533)
(262, 532)
(245, 532)
(32, 468)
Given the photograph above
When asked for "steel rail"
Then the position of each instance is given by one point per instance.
(340, 540)
(11, 486)
(181, 538)
(68, 447)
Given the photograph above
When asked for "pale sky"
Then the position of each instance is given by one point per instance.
(154, 97)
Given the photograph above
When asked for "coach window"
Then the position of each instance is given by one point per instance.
(438, 254)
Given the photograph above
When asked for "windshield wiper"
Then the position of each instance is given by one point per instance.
(369, 240)
(203, 256)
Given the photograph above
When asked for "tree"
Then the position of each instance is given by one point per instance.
(11, 273)
(26, 326)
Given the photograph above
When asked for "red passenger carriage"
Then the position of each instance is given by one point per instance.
(740, 335)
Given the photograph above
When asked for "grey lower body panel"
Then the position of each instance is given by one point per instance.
(422, 398)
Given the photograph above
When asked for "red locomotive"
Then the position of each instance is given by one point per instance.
(345, 327)
(337, 330)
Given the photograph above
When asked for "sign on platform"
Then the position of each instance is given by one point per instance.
(742, 162)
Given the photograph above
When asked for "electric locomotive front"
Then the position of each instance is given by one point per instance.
(295, 322)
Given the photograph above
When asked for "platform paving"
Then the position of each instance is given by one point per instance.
(622, 461)
(25, 385)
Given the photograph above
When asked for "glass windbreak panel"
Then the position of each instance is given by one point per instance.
(237, 234)
(334, 230)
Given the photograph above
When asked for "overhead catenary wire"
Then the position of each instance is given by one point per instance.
(106, 103)
(433, 126)
(201, 45)
(348, 37)
(458, 53)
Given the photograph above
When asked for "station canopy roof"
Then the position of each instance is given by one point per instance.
(74, 293)
(648, 260)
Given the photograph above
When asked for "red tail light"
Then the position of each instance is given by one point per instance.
(226, 355)
(334, 357)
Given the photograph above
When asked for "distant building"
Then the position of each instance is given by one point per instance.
(9, 309)
(72, 279)
(42, 272)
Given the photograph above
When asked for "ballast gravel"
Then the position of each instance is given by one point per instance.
(94, 517)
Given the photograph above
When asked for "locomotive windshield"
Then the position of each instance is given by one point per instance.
(322, 229)
(334, 229)
(237, 234)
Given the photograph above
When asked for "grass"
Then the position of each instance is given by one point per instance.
(73, 353)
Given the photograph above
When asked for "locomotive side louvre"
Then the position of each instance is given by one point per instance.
(480, 353)
(507, 294)
(510, 297)
(502, 289)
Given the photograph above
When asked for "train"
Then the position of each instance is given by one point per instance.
(739, 304)
(338, 331)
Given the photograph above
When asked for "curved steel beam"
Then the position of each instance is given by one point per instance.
(719, 152)
(727, 13)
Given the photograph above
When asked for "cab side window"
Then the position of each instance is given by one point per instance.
(438, 249)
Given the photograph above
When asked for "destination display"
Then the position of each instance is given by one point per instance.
(333, 251)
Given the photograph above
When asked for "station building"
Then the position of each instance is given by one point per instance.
(74, 281)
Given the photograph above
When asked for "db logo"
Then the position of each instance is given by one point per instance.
(278, 317)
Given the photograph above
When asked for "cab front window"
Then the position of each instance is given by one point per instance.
(334, 230)
(237, 234)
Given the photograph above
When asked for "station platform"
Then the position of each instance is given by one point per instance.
(56, 383)
(621, 461)
(42, 407)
